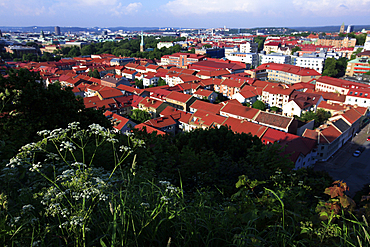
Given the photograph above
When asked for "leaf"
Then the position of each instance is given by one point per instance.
(346, 201)
(102, 243)
(334, 191)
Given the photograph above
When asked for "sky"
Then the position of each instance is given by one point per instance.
(184, 13)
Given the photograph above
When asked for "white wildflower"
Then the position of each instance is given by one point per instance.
(66, 145)
(35, 167)
(27, 207)
(43, 132)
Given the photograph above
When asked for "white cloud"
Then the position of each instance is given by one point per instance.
(126, 10)
(21, 8)
(184, 7)
(95, 2)
(332, 8)
(279, 8)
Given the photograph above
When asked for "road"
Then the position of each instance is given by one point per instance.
(355, 171)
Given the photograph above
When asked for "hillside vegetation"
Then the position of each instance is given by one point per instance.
(77, 183)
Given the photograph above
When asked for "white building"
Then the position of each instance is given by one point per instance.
(274, 58)
(359, 97)
(164, 44)
(316, 63)
(229, 50)
(249, 47)
(248, 58)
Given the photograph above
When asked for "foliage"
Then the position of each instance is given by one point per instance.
(320, 117)
(94, 73)
(260, 40)
(275, 109)
(161, 82)
(258, 104)
(29, 106)
(295, 49)
(353, 56)
(140, 116)
(220, 98)
(125, 48)
(58, 191)
(139, 83)
(335, 68)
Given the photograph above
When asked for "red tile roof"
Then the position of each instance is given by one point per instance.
(179, 97)
(203, 93)
(243, 126)
(240, 110)
(278, 89)
(207, 119)
(111, 93)
(206, 106)
(149, 129)
(161, 122)
(351, 116)
(292, 69)
(274, 119)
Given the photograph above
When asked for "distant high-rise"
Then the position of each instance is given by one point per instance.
(57, 30)
(1, 34)
(350, 29)
(142, 45)
(341, 28)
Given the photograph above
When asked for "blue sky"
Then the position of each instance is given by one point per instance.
(183, 13)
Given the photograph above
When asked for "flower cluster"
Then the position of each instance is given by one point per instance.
(66, 145)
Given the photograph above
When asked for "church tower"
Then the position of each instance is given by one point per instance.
(142, 45)
(341, 28)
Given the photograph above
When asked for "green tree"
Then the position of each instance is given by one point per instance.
(260, 40)
(139, 83)
(258, 104)
(320, 117)
(353, 56)
(335, 68)
(161, 82)
(39, 108)
(295, 49)
(88, 50)
(360, 39)
(94, 73)
(330, 67)
(275, 109)
(140, 116)
(74, 52)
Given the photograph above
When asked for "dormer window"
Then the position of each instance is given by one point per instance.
(355, 93)
(360, 94)
(350, 93)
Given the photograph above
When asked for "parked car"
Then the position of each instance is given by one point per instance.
(368, 138)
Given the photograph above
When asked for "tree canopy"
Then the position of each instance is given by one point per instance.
(29, 107)
(258, 104)
(335, 68)
(140, 116)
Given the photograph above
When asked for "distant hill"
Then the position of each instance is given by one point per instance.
(71, 29)
(330, 29)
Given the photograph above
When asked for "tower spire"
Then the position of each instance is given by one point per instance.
(142, 44)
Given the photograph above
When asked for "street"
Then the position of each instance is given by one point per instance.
(355, 171)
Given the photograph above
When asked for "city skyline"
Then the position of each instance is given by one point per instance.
(183, 13)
